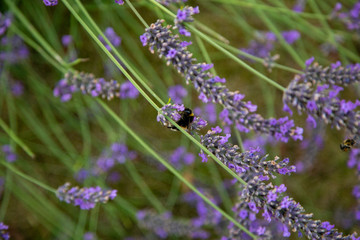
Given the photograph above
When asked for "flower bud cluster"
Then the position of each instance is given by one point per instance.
(85, 198)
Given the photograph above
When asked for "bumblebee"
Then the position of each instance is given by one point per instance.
(187, 117)
(347, 144)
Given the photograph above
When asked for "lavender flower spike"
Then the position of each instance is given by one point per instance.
(185, 15)
(321, 101)
(210, 88)
(5, 22)
(85, 198)
(50, 2)
(88, 84)
(334, 74)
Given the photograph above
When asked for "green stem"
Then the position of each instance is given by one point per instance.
(143, 187)
(23, 175)
(16, 139)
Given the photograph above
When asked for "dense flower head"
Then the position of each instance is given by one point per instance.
(185, 15)
(88, 84)
(208, 112)
(164, 225)
(206, 215)
(177, 93)
(3, 231)
(85, 198)
(322, 102)
(111, 35)
(336, 74)
(12, 49)
(212, 89)
(240, 162)
(5, 22)
(50, 2)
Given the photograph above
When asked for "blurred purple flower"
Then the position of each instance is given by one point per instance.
(5, 22)
(66, 40)
(291, 36)
(89, 236)
(299, 6)
(50, 2)
(3, 231)
(85, 198)
(177, 93)
(10, 155)
(350, 18)
(111, 35)
(120, 2)
(17, 88)
(127, 90)
(12, 49)
(179, 158)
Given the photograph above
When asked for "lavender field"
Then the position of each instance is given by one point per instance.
(175, 119)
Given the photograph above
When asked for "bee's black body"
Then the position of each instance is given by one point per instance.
(187, 117)
(347, 144)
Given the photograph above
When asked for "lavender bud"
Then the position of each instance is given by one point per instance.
(85, 198)
(185, 15)
(120, 2)
(113, 38)
(10, 155)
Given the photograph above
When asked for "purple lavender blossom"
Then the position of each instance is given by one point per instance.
(184, 15)
(50, 2)
(10, 155)
(89, 236)
(120, 2)
(66, 40)
(261, 46)
(208, 86)
(127, 90)
(12, 49)
(179, 158)
(336, 74)
(17, 88)
(322, 102)
(88, 84)
(5, 22)
(85, 198)
(299, 6)
(291, 36)
(3, 231)
(177, 93)
(165, 225)
(112, 36)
